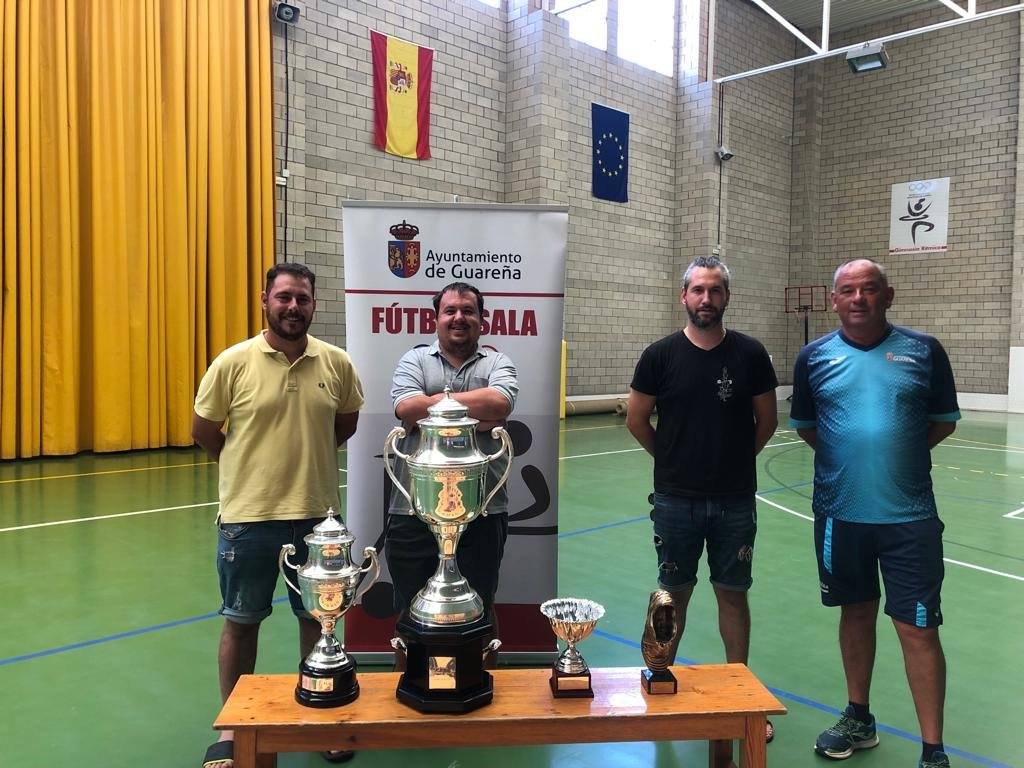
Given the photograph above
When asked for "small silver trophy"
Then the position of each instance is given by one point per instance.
(659, 642)
(572, 620)
(329, 586)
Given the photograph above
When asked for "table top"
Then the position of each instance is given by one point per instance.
(521, 697)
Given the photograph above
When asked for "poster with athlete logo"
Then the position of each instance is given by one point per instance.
(919, 216)
(397, 256)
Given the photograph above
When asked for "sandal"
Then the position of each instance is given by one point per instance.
(220, 754)
(338, 755)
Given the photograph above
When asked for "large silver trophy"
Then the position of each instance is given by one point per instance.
(329, 586)
(443, 631)
(572, 620)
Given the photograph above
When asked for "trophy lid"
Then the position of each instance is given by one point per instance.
(331, 530)
(448, 412)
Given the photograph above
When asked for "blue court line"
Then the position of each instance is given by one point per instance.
(994, 502)
(111, 638)
(616, 524)
(797, 698)
(790, 487)
(631, 520)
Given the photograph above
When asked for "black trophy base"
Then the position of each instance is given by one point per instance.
(444, 666)
(323, 689)
(570, 686)
(658, 682)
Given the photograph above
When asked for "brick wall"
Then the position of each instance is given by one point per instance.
(946, 106)
(816, 152)
(510, 123)
(757, 125)
(619, 281)
(332, 157)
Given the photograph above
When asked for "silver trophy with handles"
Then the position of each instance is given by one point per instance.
(329, 586)
(444, 630)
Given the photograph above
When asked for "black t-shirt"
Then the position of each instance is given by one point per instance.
(704, 438)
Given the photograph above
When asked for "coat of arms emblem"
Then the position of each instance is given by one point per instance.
(404, 253)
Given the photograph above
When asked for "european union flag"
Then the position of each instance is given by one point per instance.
(611, 153)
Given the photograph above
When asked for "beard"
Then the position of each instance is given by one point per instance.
(706, 322)
(277, 326)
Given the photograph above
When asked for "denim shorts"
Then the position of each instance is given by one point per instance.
(681, 526)
(909, 556)
(247, 556)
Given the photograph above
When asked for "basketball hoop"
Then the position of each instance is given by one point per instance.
(804, 299)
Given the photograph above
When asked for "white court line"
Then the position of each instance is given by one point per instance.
(634, 450)
(945, 559)
(112, 517)
(605, 453)
(1015, 515)
(979, 442)
(978, 448)
(107, 517)
(103, 472)
(974, 567)
(115, 471)
(784, 509)
(778, 445)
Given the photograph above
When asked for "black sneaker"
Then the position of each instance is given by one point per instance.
(849, 734)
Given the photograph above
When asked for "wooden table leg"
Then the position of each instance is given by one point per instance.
(755, 748)
(246, 755)
(720, 754)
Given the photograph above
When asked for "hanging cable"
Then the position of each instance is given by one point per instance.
(721, 162)
(287, 134)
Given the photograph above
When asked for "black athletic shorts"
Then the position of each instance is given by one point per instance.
(908, 554)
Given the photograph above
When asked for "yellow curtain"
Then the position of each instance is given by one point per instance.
(137, 217)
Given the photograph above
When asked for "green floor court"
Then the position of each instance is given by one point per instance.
(108, 631)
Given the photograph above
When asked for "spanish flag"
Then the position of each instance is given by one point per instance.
(401, 96)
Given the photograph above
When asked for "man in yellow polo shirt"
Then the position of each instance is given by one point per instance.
(289, 400)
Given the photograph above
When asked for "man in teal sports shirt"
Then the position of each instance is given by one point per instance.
(872, 399)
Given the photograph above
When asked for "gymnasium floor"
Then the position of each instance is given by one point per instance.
(108, 632)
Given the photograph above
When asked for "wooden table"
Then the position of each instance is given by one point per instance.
(718, 702)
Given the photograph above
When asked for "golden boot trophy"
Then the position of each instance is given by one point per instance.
(658, 644)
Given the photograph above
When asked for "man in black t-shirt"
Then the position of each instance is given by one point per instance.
(715, 394)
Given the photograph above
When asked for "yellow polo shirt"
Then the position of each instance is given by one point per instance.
(280, 459)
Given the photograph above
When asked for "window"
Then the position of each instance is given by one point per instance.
(647, 33)
(588, 20)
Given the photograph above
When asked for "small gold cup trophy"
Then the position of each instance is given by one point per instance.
(658, 643)
(572, 620)
(329, 586)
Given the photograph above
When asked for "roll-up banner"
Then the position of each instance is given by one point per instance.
(397, 256)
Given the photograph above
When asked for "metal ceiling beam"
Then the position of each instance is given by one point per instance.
(792, 30)
(956, 8)
(971, 15)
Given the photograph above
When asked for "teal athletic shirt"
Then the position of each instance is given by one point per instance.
(871, 407)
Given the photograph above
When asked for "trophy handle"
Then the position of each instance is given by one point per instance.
(374, 566)
(506, 447)
(282, 561)
(491, 649)
(389, 443)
